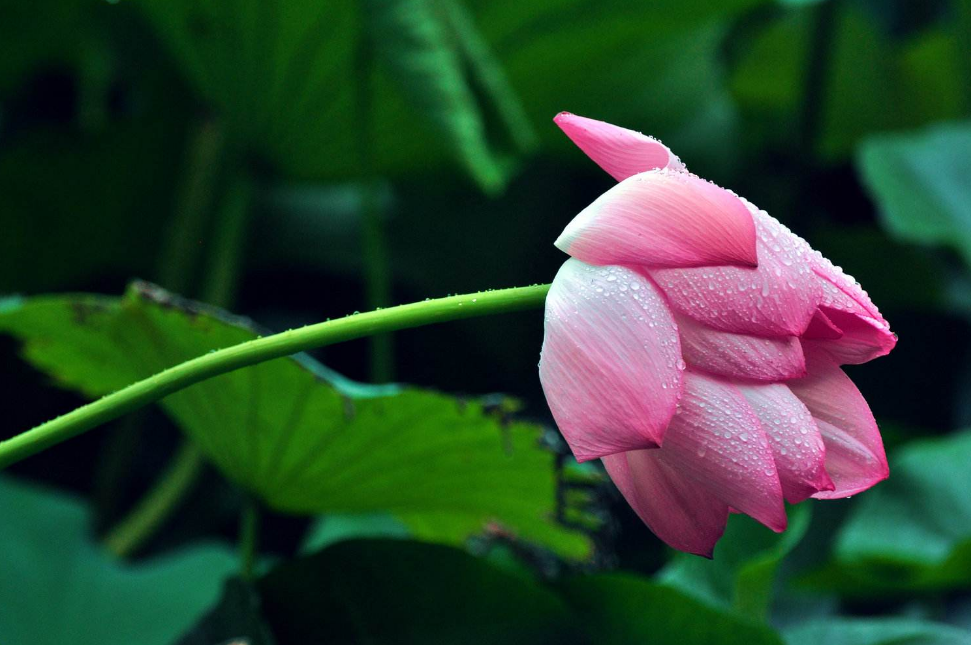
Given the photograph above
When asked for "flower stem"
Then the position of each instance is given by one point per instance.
(232, 358)
(151, 511)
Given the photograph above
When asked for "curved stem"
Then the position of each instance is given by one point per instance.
(204, 367)
(128, 535)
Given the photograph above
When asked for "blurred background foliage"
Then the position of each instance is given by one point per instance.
(296, 160)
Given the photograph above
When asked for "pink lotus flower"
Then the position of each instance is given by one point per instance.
(693, 343)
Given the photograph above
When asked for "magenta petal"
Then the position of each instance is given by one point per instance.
(663, 219)
(611, 361)
(717, 440)
(822, 328)
(619, 151)
(740, 356)
(679, 511)
(862, 338)
(777, 298)
(794, 438)
(855, 458)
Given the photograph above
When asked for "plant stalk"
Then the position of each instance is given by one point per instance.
(290, 342)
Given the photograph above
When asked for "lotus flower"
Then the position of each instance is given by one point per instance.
(693, 343)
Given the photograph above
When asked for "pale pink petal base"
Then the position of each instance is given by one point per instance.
(619, 151)
(740, 356)
(611, 363)
(855, 458)
(717, 441)
(663, 219)
(679, 511)
(795, 440)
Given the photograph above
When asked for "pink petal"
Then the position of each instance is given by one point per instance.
(679, 511)
(619, 151)
(794, 438)
(663, 219)
(740, 356)
(717, 440)
(822, 328)
(862, 338)
(777, 298)
(840, 291)
(611, 363)
(855, 458)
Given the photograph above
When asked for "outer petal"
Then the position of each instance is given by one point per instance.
(679, 511)
(611, 363)
(619, 151)
(717, 440)
(777, 298)
(840, 291)
(855, 458)
(663, 219)
(740, 356)
(795, 440)
(861, 338)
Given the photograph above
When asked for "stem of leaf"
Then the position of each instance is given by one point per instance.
(249, 538)
(374, 239)
(178, 259)
(153, 509)
(376, 279)
(963, 28)
(817, 70)
(167, 493)
(181, 376)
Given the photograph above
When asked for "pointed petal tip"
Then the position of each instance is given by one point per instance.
(619, 151)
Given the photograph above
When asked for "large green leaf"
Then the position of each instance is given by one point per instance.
(743, 571)
(394, 591)
(57, 586)
(652, 66)
(920, 183)
(301, 437)
(310, 85)
(292, 77)
(887, 631)
(619, 609)
(912, 532)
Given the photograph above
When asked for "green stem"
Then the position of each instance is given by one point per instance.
(180, 248)
(229, 241)
(204, 367)
(128, 535)
(249, 538)
(167, 493)
(374, 238)
(377, 280)
(963, 35)
(820, 55)
(177, 263)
